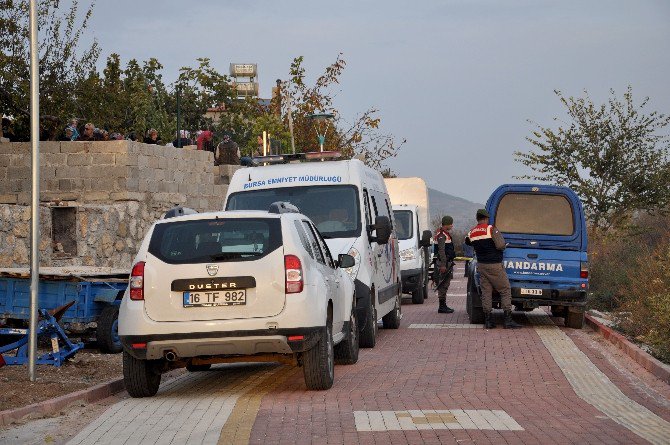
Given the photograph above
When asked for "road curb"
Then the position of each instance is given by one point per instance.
(52, 406)
(642, 358)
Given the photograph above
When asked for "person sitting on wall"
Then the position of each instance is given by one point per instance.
(227, 152)
(152, 137)
(87, 135)
(205, 142)
(183, 140)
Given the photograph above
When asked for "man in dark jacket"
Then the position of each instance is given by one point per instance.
(489, 244)
(445, 258)
(227, 152)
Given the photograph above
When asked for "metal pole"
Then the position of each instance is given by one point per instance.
(35, 219)
(265, 145)
(289, 105)
(178, 116)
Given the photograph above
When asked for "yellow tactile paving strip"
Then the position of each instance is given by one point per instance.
(237, 428)
(594, 387)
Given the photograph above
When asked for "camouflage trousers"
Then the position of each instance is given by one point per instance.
(443, 280)
(494, 277)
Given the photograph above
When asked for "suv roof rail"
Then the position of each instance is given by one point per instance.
(283, 207)
(178, 211)
(286, 158)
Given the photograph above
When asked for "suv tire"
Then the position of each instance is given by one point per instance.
(107, 333)
(198, 368)
(475, 314)
(368, 335)
(141, 377)
(419, 295)
(318, 363)
(574, 320)
(346, 352)
(392, 319)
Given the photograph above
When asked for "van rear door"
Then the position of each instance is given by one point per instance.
(215, 269)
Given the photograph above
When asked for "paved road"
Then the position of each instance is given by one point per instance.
(436, 380)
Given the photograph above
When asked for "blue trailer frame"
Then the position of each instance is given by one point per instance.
(96, 298)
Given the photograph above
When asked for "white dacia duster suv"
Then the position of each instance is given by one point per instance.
(222, 287)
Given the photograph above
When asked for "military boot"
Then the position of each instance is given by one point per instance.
(508, 323)
(489, 322)
(443, 308)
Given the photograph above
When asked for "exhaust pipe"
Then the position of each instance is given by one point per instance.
(170, 356)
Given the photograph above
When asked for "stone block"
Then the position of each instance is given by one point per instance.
(3, 173)
(75, 147)
(50, 184)
(5, 160)
(78, 159)
(109, 147)
(54, 159)
(20, 161)
(9, 198)
(103, 159)
(96, 196)
(19, 173)
(15, 148)
(126, 158)
(47, 172)
(153, 162)
(143, 161)
(128, 196)
(65, 185)
(49, 147)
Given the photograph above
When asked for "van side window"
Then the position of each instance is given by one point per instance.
(366, 203)
(318, 256)
(389, 213)
(324, 248)
(374, 205)
(303, 237)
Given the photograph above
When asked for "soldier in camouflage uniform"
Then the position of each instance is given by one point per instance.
(444, 262)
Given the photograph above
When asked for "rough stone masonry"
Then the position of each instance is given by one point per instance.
(99, 198)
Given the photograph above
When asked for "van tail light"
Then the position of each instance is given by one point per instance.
(137, 282)
(584, 272)
(293, 268)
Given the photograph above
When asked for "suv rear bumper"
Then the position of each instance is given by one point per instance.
(231, 343)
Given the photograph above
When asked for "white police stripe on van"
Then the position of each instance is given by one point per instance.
(526, 265)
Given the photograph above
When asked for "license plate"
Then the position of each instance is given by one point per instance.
(531, 291)
(215, 298)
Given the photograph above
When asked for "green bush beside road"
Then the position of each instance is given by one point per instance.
(630, 278)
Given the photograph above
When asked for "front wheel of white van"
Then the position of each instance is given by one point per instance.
(419, 293)
(346, 352)
(318, 364)
(368, 335)
(392, 319)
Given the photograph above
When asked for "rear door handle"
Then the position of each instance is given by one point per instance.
(532, 256)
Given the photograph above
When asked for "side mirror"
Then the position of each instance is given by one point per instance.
(425, 238)
(382, 227)
(345, 261)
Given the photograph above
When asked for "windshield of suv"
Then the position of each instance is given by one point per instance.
(222, 239)
(403, 224)
(535, 214)
(333, 208)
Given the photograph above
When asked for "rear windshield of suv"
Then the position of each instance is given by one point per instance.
(535, 214)
(215, 240)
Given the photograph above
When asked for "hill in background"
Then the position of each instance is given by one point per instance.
(462, 210)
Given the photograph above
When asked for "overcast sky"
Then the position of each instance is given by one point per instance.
(457, 79)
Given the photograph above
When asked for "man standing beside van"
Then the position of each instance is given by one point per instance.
(445, 256)
(489, 244)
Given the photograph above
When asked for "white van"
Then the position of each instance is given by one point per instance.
(409, 197)
(351, 208)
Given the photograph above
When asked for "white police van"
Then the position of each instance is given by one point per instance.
(350, 207)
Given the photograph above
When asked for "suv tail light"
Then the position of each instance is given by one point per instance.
(584, 272)
(293, 268)
(137, 282)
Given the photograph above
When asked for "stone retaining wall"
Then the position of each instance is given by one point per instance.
(110, 192)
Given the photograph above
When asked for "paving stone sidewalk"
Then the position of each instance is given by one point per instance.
(436, 380)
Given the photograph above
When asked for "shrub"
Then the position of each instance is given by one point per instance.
(645, 308)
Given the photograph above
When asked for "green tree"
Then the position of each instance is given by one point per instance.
(614, 155)
(361, 137)
(63, 65)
